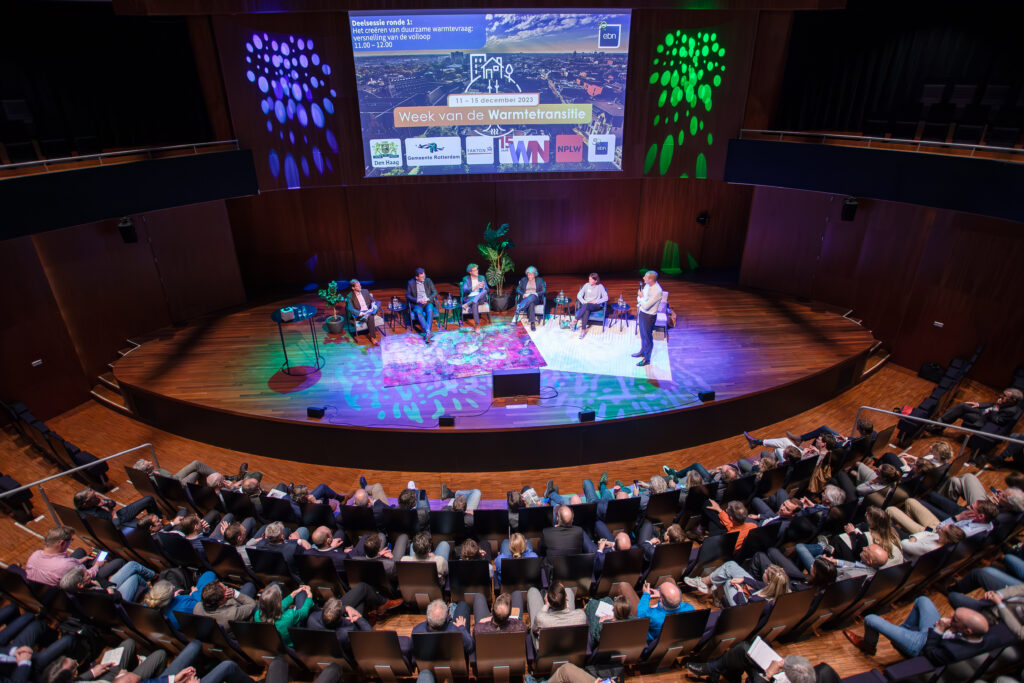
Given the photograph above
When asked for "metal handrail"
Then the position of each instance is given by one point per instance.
(148, 151)
(869, 139)
(967, 430)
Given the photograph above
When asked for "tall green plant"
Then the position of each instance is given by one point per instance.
(495, 249)
(331, 297)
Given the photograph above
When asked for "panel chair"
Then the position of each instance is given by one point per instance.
(470, 576)
(540, 309)
(441, 653)
(558, 645)
(319, 573)
(661, 318)
(520, 574)
(598, 317)
(574, 571)
(669, 561)
(417, 582)
(378, 654)
(216, 643)
(318, 649)
(679, 635)
(483, 308)
(500, 655)
(621, 642)
(624, 566)
(354, 326)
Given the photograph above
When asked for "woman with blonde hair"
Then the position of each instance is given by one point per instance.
(515, 547)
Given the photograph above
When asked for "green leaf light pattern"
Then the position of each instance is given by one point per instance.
(688, 67)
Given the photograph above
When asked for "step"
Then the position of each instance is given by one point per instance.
(108, 379)
(110, 398)
(876, 360)
(126, 350)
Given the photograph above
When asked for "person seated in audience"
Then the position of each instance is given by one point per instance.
(735, 663)
(923, 542)
(345, 615)
(323, 543)
(557, 607)
(126, 581)
(196, 529)
(872, 558)
(822, 573)
(606, 544)
(423, 550)
(503, 618)
(63, 669)
(723, 473)
(275, 538)
(968, 487)
(669, 601)
(939, 453)
(821, 444)
(224, 604)
(168, 598)
(236, 535)
(289, 612)
(976, 519)
(299, 495)
(1003, 605)
(472, 497)
(192, 473)
(564, 538)
(975, 415)
(925, 632)
(864, 429)
(758, 466)
(647, 538)
(798, 519)
(738, 587)
(732, 518)
(514, 547)
(870, 480)
(89, 502)
(441, 619)
(621, 611)
(49, 565)
(992, 578)
(21, 657)
(374, 546)
(879, 529)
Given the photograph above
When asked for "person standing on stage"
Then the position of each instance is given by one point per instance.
(591, 298)
(422, 297)
(647, 303)
(474, 291)
(360, 307)
(531, 291)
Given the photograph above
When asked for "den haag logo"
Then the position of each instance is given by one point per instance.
(493, 71)
(386, 153)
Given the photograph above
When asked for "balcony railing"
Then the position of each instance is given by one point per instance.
(1014, 154)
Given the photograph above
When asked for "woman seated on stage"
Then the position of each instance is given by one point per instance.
(592, 297)
(532, 291)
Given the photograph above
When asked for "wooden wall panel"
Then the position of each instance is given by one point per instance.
(771, 48)
(32, 328)
(107, 290)
(195, 259)
(286, 240)
(900, 268)
(575, 226)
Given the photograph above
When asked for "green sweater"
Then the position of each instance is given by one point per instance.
(290, 617)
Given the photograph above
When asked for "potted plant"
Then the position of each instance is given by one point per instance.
(495, 249)
(332, 297)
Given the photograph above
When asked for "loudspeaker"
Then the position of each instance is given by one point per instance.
(446, 421)
(524, 382)
(315, 412)
(587, 415)
(706, 396)
(127, 229)
(849, 209)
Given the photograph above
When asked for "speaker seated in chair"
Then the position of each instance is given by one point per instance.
(473, 294)
(531, 297)
(361, 313)
(591, 304)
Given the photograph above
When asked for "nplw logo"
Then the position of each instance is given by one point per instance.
(524, 149)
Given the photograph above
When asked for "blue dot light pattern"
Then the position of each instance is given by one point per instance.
(292, 84)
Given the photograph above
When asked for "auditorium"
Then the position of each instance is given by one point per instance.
(636, 342)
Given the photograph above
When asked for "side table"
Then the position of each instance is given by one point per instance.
(620, 315)
(561, 312)
(300, 312)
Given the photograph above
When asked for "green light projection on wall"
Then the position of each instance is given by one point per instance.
(688, 67)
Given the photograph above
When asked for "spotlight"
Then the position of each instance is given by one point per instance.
(127, 229)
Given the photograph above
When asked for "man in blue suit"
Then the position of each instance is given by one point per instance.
(422, 297)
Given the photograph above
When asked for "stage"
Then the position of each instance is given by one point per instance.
(219, 380)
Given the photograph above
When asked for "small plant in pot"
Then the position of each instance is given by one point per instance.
(331, 298)
(495, 249)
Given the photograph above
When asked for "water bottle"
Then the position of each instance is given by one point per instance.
(561, 294)
(621, 301)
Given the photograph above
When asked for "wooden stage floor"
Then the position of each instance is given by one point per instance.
(735, 342)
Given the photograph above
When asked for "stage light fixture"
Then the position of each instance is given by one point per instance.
(587, 415)
(126, 226)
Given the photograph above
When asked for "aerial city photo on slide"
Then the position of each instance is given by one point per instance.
(477, 92)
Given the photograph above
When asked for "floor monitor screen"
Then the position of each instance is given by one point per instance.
(486, 92)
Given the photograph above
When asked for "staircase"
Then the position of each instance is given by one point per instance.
(876, 360)
(106, 391)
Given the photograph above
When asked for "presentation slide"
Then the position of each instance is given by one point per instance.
(483, 92)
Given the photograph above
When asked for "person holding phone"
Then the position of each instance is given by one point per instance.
(49, 565)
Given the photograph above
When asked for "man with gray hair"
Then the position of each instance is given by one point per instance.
(735, 663)
(441, 618)
(192, 473)
(648, 301)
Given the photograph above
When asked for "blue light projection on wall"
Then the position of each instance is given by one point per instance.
(297, 99)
